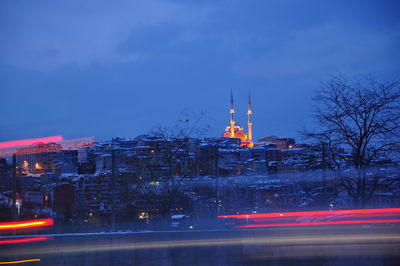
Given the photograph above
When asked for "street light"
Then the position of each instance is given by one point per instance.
(18, 205)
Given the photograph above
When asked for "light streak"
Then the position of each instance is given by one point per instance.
(23, 240)
(269, 240)
(317, 223)
(309, 213)
(27, 142)
(41, 145)
(19, 261)
(26, 224)
(326, 217)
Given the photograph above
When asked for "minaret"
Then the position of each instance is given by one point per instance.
(249, 123)
(231, 112)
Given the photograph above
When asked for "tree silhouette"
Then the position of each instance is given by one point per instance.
(361, 115)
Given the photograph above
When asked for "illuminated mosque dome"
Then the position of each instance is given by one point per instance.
(237, 132)
(234, 130)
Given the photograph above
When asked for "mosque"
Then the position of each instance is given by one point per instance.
(234, 130)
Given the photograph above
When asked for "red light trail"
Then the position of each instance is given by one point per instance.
(24, 240)
(309, 213)
(40, 145)
(26, 224)
(317, 223)
(27, 142)
(364, 216)
(325, 217)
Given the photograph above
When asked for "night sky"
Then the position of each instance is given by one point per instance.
(120, 68)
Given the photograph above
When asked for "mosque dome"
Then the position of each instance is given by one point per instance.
(237, 131)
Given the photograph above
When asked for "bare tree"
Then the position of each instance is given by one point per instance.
(361, 115)
(164, 166)
(177, 138)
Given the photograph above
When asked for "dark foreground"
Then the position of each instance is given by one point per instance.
(318, 245)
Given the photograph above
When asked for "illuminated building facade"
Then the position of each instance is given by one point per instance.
(49, 157)
(234, 130)
(282, 143)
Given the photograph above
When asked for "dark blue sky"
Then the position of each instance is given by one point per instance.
(119, 68)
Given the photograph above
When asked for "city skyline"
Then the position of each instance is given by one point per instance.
(200, 132)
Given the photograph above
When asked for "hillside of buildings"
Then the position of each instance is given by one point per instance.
(142, 182)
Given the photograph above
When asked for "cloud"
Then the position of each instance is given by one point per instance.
(121, 67)
(326, 48)
(45, 36)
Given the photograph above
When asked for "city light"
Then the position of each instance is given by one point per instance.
(38, 166)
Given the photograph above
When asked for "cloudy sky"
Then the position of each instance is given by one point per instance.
(120, 68)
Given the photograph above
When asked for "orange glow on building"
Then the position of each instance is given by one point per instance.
(46, 201)
(234, 130)
(38, 166)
